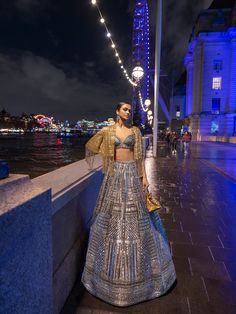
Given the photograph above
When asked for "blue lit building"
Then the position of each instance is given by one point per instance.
(211, 74)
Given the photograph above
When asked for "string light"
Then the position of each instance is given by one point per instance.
(113, 46)
(141, 102)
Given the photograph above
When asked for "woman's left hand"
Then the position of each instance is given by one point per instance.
(145, 184)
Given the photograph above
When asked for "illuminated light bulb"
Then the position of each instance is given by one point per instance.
(93, 2)
(108, 35)
(122, 67)
(117, 54)
(124, 71)
(119, 61)
(147, 102)
(113, 46)
(102, 20)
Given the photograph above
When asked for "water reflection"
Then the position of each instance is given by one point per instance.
(36, 154)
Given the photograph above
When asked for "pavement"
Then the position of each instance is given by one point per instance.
(198, 197)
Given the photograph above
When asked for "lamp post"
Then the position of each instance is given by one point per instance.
(138, 73)
(157, 73)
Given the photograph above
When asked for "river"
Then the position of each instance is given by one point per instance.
(39, 153)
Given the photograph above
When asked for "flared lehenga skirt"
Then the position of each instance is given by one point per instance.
(128, 258)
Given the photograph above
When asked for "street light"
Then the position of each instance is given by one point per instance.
(157, 72)
(138, 73)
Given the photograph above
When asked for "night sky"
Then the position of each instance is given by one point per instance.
(55, 58)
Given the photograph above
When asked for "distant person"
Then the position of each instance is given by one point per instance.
(186, 139)
(128, 261)
(168, 138)
(173, 142)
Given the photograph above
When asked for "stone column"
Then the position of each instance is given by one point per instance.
(25, 247)
(188, 62)
(232, 98)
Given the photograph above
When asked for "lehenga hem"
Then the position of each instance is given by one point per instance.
(154, 295)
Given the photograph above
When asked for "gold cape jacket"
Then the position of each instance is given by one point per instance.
(103, 142)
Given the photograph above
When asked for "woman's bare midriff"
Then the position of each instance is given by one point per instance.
(124, 154)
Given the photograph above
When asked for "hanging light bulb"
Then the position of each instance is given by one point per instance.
(147, 102)
(113, 46)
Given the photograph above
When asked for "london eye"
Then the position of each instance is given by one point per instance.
(141, 58)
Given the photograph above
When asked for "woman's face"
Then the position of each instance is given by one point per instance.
(124, 112)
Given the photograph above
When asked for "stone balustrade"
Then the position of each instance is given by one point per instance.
(44, 226)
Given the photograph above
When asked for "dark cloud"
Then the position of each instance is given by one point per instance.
(55, 58)
(30, 6)
(35, 85)
(178, 20)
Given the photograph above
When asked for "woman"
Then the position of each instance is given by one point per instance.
(128, 260)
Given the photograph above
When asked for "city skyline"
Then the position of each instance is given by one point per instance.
(55, 57)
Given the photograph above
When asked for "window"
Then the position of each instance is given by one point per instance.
(215, 105)
(217, 65)
(214, 127)
(216, 83)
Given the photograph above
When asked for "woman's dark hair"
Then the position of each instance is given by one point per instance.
(121, 104)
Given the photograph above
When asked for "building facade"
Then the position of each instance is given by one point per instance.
(211, 73)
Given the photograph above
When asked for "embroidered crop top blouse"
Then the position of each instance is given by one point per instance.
(127, 143)
(103, 143)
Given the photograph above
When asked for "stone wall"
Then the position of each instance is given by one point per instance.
(44, 226)
(25, 247)
(74, 192)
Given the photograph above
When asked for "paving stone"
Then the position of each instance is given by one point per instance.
(171, 225)
(222, 291)
(190, 286)
(182, 265)
(223, 254)
(227, 241)
(231, 268)
(213, 307)
(189, 250)
(204, 239)
(209, 269)
(178, 236)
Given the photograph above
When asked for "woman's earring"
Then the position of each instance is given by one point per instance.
(117, 118)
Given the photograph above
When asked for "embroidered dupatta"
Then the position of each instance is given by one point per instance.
(103, 142)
